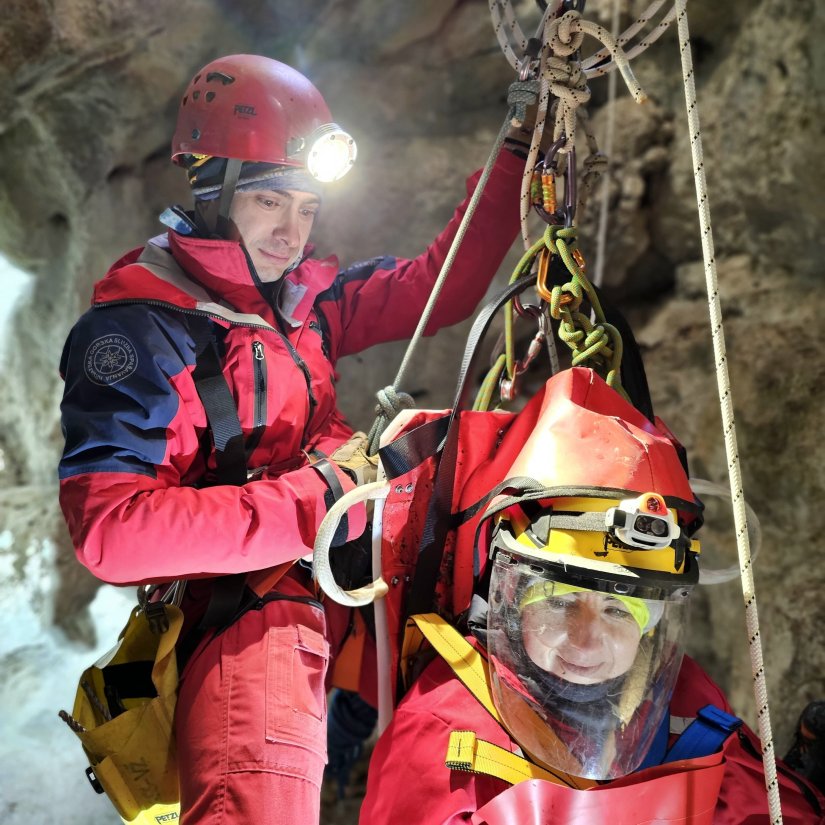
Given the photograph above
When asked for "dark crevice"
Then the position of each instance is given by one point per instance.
(119, 172)
(59, 221)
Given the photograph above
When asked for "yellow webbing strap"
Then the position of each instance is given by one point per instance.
(467, 663)
(473, 671)
(466, 752)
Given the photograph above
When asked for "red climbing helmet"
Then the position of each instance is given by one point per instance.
(253, 108)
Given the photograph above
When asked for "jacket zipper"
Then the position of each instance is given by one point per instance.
(259, 370)
(259, 380)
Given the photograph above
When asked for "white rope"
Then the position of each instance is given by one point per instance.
(728, 424)
(610, 132)
(504, 21)
(591, 64)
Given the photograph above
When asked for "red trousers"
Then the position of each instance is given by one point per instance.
(251, 715)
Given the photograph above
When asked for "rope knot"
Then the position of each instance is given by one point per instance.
(566, 34)
(520, 95)
(391, 402)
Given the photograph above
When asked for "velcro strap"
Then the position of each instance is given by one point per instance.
(466, 752)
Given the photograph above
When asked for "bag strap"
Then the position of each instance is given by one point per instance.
(421, 596)
(704, 735)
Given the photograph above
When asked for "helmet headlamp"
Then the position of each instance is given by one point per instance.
(644, 522)
(328, 153)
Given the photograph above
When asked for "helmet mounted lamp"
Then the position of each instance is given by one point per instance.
(328, 153)
(644, 522)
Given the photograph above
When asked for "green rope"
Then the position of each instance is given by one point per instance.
(598, 346)
(489, 384)
(595, 345)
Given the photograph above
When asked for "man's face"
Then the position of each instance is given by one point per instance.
(581, 637)
(274, 227)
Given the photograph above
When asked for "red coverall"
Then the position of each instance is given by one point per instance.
(252, 705)
(409, 783)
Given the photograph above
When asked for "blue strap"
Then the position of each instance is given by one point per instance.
(704, 735)
(658, 750)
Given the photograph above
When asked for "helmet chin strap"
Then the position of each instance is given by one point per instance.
(230, 181)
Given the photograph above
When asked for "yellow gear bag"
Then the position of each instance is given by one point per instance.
(123, 715)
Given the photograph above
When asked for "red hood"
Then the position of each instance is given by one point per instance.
(219, 266)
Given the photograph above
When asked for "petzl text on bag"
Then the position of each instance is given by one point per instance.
(123, 715)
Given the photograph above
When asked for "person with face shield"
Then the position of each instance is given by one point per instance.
(203, 440)
(570, 699)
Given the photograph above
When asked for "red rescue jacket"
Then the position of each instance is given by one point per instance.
(135, 428)
(408, 781)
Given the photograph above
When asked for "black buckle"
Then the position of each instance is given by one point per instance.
(156, 616)
(93, 780)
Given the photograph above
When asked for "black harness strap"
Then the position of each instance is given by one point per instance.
(220, 407)
(230, 455)
(421, 595)
(411, 449)
(334, 491)
(230, 594)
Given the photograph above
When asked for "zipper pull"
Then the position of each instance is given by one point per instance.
(258, 350)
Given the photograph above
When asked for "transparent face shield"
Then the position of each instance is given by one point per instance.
(582, 666)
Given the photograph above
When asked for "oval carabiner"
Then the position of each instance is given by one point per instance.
(570, 193)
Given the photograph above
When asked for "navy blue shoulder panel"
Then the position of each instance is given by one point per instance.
(118, 400)
(357, 272)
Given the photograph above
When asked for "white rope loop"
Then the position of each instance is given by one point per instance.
(322, 571)
(728, 423)
(594, 65)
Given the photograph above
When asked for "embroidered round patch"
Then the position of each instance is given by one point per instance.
(110, 359)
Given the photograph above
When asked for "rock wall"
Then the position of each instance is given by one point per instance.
(87, 106)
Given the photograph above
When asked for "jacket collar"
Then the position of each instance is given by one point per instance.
(221, 272)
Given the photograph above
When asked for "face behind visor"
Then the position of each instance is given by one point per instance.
(583, 666)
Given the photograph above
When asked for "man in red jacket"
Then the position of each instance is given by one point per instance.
(571, 701)
(230, 293)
